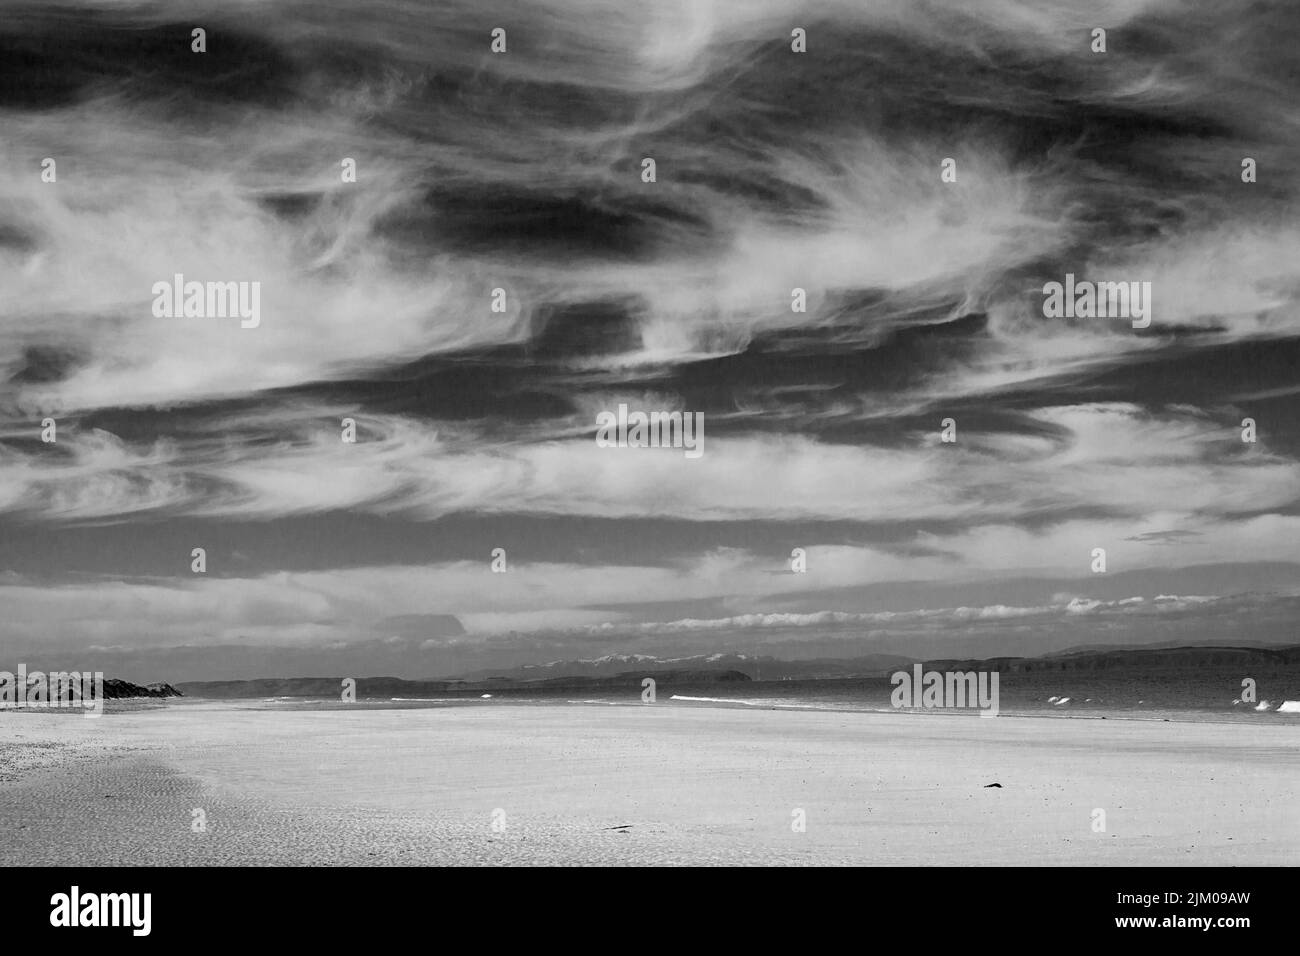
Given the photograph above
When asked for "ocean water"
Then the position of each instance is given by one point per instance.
(1202, 694)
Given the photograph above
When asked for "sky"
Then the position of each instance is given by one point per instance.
(522, 171)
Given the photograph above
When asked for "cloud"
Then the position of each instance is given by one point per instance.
(1115, 459)
(478, 172)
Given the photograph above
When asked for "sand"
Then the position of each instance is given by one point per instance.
(688, 784)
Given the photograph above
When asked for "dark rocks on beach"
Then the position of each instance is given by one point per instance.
(115, 689)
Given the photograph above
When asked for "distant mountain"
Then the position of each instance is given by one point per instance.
(758, 668)
(385, 688)
(1160, 646)
(1167, 657)
(1140, 658)
(626, 672)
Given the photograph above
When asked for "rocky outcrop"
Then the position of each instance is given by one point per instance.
(115, 689)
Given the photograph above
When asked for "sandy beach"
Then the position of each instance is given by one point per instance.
(660, 784)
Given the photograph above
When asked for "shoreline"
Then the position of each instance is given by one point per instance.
(1235, 717)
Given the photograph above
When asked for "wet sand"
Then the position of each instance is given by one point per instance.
(688, 783)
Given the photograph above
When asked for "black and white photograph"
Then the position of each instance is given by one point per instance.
(695, 433)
